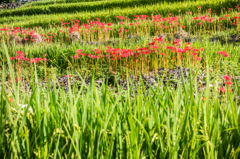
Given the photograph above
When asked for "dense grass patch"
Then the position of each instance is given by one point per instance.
(110, 14)
(133, 86)
(79, 7)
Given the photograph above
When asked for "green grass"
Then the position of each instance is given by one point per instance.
(92, 121)
(79, 7)
(49, 2)
(109, 15)
(96, 123)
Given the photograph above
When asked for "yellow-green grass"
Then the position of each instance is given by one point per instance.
(108, 15)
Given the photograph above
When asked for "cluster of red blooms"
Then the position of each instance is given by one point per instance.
(21, 57)
(224, 53)
(206, 18)
(228, 82)
(24, 33)
(116, 53)
(167, 22)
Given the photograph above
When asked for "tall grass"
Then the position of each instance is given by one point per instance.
(91, 122)
(110, 14)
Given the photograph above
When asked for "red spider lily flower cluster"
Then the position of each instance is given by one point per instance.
(69, 76)
(222, 89)
(79, 53)
(95, 25)
(21, 57)
(227, 80)
(141, 52)
(224, 53)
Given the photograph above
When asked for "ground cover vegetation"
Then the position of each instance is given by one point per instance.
(49, 2)
(77, 7)
(122, 84)
(110, 14)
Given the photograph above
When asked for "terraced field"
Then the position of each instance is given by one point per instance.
(120, 79)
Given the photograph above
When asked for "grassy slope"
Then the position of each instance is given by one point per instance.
(109, 14)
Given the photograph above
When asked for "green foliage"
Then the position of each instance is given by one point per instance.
(91, 122)
(49, 2)
(77, 7)
(110, 14)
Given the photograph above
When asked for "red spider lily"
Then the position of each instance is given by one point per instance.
(11, 58)
(226, 55)
(10, 100)
(36, 60)
(82, 54)
(180, 50)
(97, 51)
(152, 43)
(200, 23)
(109, 24)
(236, 17)
(18, 79)
(16, 28)
(70, 76)
(221, 52)
(227, 78)
(79, 50)
(198, 58)
(188, 48)
(194, 53)
(227, 15)
(20, 53)
(189, 12)
(199, 6)
(75, 57)
(196, 18)
(93, 56)
(229, 83)
(178, 41)
(221, 18)
(143, 16)
(154, 47)
(19, 57)
(160, 39)
(120, 17)
(222, 89)
(4, 29)
(26, 59)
